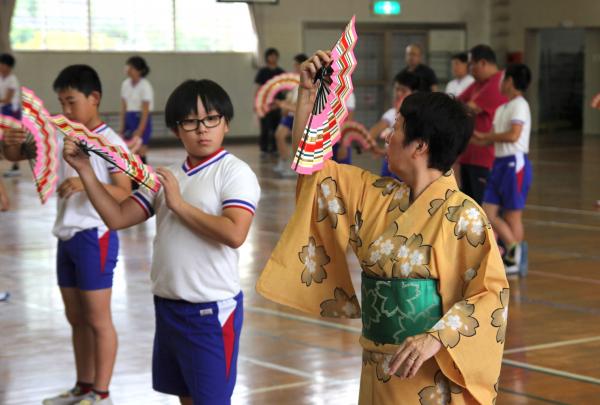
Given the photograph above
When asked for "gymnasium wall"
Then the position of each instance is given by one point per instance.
(280, 26)
(233, 71)
(550, 14)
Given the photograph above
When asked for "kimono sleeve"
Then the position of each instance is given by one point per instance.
(475, 293)
(308, 269)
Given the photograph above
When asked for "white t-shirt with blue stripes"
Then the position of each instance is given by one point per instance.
(188, 266)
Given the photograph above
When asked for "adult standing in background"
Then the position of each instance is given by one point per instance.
(414, 64)
(483, 97)
(269, 123)
(460, 72)
(137, 102)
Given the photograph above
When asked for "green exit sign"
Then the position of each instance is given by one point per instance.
(386, 7)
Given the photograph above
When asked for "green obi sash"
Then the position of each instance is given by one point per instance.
(394, 309)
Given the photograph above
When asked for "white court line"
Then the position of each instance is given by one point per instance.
(331, 325)
(552, 371)
(279, 387)
(526, 366)
(549, 208)
(563, 277)
(566, 225)
(283, 369)
(552, 345)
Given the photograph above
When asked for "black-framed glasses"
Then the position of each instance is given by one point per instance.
(192, 124)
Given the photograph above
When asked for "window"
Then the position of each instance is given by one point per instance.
(50, 25)
(205, 25)
(133, 25)
(126, 25)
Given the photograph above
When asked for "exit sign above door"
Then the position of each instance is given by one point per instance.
(386, 7)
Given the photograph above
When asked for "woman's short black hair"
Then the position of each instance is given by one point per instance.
(461, 57)
(82, 78)
(441, 122)
(271, 51)
(520, 75)
(183, 101)
(139, 64)
(300, 58)
(407, 79)
(7, 59)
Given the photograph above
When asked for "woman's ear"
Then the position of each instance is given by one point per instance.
(421, 149)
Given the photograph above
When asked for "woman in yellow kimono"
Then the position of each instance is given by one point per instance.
(434, 293)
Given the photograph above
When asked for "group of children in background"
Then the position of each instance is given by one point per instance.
(494, 170)
(207, 203)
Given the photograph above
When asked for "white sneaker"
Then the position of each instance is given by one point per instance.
(12, 173)
(512, 267)
(280, 166)
(288, 173)
(70, 397)
(92, 398)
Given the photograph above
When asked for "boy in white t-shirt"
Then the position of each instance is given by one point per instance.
(405, 83)
(460, 71)
(509, 181)
(87, 250)
(10, 97)
(204, 210)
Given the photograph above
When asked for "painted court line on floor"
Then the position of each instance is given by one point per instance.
(552, 345)
(563, 277)
(565, 225)
(527, 366)
(552, 371)
(549, 208)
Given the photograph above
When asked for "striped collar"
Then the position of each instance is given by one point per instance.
(207, 161)
(100, 128)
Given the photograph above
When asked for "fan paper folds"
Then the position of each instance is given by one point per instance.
(265, 96)
(355, 132)
(44, 160)
(335, 86)
(118, 156)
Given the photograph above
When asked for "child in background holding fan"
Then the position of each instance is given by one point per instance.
(204, 211)
(284, 130)
(10, 98)
(137, 101)
(343, 154)
(405, 83)
(87, 250)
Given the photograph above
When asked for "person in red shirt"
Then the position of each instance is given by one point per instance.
(484, 97)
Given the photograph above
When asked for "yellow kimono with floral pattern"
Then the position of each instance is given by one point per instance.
(442, 235)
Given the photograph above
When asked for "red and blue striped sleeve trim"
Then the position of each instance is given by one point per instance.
(236, 203)
(143, 203)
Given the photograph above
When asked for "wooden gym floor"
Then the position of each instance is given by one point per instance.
(287, 357)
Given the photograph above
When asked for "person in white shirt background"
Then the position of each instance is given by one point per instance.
(510, 179)
(10, 96)
(460, 72)
(137, 102)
